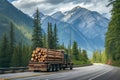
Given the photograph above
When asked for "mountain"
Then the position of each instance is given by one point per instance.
(58, 15)
(87, 27)
(64, 30)
(23, 23)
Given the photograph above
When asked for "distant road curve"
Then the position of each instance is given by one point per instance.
(93, 72)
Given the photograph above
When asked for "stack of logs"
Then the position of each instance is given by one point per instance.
(47, 55)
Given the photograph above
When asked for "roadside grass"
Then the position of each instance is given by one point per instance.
(116, 63)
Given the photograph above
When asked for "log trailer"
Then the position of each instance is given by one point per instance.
(44, 59)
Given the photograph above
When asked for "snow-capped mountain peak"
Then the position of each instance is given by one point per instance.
(76, 8)
(58, 15)
(91, 24)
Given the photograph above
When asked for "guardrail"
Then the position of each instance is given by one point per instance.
(82, 65)
(24, 69)
(13, 70)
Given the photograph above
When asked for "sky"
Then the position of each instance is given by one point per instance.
(49, 7)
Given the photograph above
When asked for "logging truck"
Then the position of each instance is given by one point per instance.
(44, 59)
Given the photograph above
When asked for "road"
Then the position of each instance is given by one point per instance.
(94, 72)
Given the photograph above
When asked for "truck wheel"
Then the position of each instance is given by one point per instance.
(53, 68)
(71, 66)
(60, 67)
(49, 68)
(56, 67)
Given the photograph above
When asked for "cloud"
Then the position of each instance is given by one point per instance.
(51, 6)
(54, 1)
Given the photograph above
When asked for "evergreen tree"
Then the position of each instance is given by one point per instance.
(44, 41)
(12, 40)
(103, 57)
(97, 57)
(50, 39)
(75, 51)
(37, 33)
(69, 50)
(80, 54)
(48, 35)
(55, 37)
(112, 45)
(94, 57)
(16, 60)
(84, 55)
(26, 55)
(4, 55)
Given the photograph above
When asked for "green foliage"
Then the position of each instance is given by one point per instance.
(44, 40)
(78, 56)
(11, 53)
(16, 58)
(112, 43)
(52, 37)
(21, 55)
(96, 57)
(12, 40)
(103, 57)
(4, 52)
(99, 57)
(20, 31)
(55, 37)
(26, 55)
(84, 56)
(75, 51)
(37, 33)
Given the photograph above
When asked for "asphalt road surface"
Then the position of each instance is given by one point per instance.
(94, 72)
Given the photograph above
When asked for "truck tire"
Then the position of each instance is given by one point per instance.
(60, 67)
(53, 68)
(57, 67)
(71, 66)
(49, 68)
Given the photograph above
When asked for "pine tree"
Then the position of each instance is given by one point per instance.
(15, 57)
(80, 54)
(37, 33)
(75, 51)
(48, 35)
(112, 44)
(4, 55)
(16, 60)
(97, 57)
(94, 57)
(12, 40)
(44, 41)
(84, 56)
(55, 37)
(103, 57)
(50, 39)
(26, 55)
(69, 50)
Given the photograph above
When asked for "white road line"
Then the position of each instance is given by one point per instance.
(100, 74)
